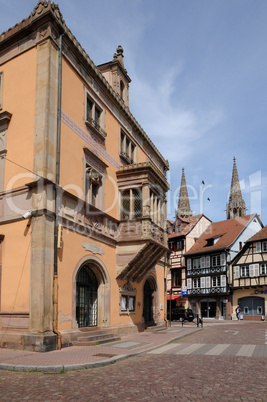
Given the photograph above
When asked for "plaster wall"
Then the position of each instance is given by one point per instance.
(19, 84)
(15, 275)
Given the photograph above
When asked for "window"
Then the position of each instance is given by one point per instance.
(216, 281)
(93, 182)
(175, 245)
(127, 149)
(264, 246)
(131, 203)
(196, 263)
(263, 269)
(196, 283)
(176, 277)
(216, 261)
(94, 116)
(122, 90)
(1, 89)
(128, 299)
(258, 247)
(244, 271)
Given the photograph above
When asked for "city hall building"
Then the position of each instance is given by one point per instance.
(82, 193)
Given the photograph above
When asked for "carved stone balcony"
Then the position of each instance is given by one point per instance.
(142, 241)
(140, 244)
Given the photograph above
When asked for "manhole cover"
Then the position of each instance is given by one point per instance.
(103, 355)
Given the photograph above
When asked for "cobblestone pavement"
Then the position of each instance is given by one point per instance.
(158, 376)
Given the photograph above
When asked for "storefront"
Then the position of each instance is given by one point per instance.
(253, 303)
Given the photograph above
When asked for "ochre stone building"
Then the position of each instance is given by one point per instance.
(82, 193)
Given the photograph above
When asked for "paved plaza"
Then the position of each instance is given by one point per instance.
(221, 362)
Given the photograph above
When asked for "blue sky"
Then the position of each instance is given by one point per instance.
(199, 85)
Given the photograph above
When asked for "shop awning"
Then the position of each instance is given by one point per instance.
(173, 297)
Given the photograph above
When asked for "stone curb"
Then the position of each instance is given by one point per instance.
(82, 366)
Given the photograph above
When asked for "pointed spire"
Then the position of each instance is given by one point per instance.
(183, 203)
(236, 205)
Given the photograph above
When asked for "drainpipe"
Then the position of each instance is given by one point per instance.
(55, 281)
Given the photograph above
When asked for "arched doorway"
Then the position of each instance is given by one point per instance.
(86, 297)
(150, 302)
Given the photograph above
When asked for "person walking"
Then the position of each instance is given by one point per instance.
(238, 311)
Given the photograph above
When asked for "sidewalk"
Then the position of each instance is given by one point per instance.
(81, 357)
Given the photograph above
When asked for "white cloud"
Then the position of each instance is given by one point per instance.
(171, 126)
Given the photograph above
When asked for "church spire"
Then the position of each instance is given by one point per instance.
(236, 205)
(183, 203)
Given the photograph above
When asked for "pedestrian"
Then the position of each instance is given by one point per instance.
(238, 310)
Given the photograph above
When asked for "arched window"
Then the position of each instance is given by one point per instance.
(122, 89)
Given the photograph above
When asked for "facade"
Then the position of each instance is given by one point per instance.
(210, 260)
(82, 193)
(250, 278)
(209, 265)
(182, 234)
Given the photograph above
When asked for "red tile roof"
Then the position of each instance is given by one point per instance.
(261, 235)
(226, 231)
(187, 224)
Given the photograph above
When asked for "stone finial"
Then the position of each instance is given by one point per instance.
(119, 55)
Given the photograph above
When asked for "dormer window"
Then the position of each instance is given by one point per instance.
(210, 242)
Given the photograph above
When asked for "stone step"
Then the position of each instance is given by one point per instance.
(98, 341)
(94, 337)
(156, 328)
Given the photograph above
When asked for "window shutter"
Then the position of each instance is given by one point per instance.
(202, 262)
(202, 282)
(189, 264)
(251, 270)
(207, 261)
(256, 269)
(189, 283)
(258, 247)
(208, 282)
(237, 272)
(223, 261)
(223, 280)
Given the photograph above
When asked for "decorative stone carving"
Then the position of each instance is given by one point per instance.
(93, 248)
(128, 287)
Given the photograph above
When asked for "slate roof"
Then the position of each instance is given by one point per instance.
(225, 231)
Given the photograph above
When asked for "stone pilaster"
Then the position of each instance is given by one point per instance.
(41, 337)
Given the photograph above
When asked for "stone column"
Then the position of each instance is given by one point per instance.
(41, 337)
(146, 201)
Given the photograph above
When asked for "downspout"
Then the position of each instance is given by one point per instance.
(55, 281)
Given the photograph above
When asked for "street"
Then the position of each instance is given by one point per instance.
(219, 363)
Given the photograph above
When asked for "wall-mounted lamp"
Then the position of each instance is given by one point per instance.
(27, 215)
